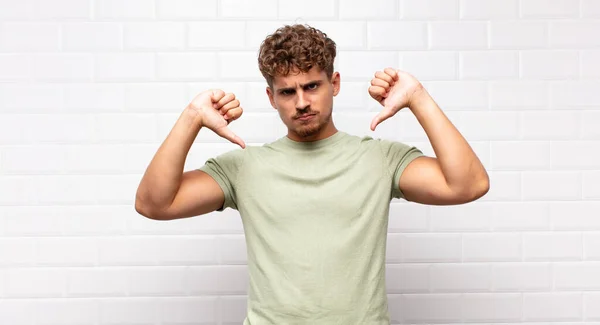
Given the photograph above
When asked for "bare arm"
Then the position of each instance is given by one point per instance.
(165, 191)
(163, 177)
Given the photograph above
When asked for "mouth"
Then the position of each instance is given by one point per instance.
(305, 117)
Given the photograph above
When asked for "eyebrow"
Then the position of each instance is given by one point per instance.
(318, 82)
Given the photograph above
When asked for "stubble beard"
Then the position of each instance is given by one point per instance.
(312, 128)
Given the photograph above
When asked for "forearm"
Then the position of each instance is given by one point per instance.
(462, 169)
(162, 178)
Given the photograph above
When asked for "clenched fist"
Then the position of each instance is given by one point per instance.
(216, 110)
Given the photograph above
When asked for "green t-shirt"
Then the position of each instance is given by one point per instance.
(315, 217)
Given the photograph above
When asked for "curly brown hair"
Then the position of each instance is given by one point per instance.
(294, 47)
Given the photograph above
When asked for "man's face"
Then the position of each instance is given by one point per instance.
(301, 93)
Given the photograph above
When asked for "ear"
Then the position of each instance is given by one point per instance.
(270, 94)
(335, 81)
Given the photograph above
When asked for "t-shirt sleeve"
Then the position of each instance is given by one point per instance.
(224, 170)
(396, 156)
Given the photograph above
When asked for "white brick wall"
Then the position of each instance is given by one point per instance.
(90, 88)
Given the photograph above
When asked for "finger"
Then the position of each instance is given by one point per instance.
(377, 92)
(224, 100)
(226, 133)
(228, 106)
(216, 95)
(233, 114)
(380, 83)
(392, 72)
(382, 116)
(384, 76)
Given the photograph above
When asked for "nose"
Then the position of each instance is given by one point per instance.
(301, 101)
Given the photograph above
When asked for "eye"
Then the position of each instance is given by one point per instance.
(286, 92)
(312, 86)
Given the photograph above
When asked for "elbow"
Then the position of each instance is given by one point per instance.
(147, 211)
(481, 188)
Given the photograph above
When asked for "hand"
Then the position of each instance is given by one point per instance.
(216, 110)
(394, 90)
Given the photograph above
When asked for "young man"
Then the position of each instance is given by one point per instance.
(315, 203)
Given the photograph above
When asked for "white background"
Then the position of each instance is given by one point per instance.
(90, 88)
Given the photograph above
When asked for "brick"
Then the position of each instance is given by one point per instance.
(408, 217)
(154, 36)
(570, 276)
(489, 9)
(550, 125)
(125, 67)
(430, 65)
(156, 281)
(407, 278)
(67, 311)
(489, 65)
(514, 216)
(149, 97)
(30, 220)
(458, 35)
(231, 250)
(181, 310)
(574, 215)
(29, 37)
(461, 218)
(186, 9)
(522, 276)
(129, 310)
(34, 282)
(380, 9)
(521, 155)
(18, 311)
(460, 277)
(102, 97)
(492, 307)
(127, 9)
(61, 9)
(461, 95)
(590, 64)
(15, 67)
(574, 94)
(15, 252)
(549, 9)
(429, 9)
(561, 34)
(291, 10)
(590, 181)
(21, 98)
(591, 245)
(489, 247)
(63, 67)
(549, 64)
(519, 95)
(391, 35)
(11, 10)
(217, 35)
(246, 9)
(186, 66)
(67, 251)
(430, 308)
(551, 185)
(518, 35)
(552, 246)
(430, 248)
(590, 9)
(559, 306)
(584, 155)
(125, 127)
(359, 65)
(489, 125)
(239, 65)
